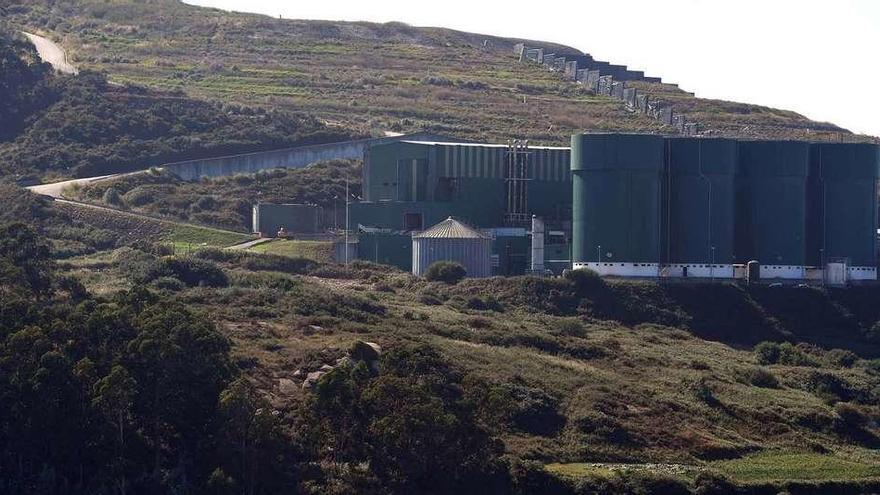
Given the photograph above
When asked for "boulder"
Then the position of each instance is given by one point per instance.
(365, 351)
(326, 367)
(286, 385)
(312, 378)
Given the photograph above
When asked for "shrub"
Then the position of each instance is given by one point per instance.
(709, 483)
(112, 197)
(784, 353)
(484, 303)
(872, 334)
(584, 279)
(759, 377)
(193, 272)
(437, 81)
(851, 415)
(429, 299)
(449, 272)
(572, 328)
(168, 283)
(841, 357)
(701, 391)
(827, 387)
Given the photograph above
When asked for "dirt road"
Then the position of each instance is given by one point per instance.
(56, 189)
(50, 52)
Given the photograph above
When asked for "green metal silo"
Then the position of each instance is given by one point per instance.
(700, 190)
(772, 206)
(616, 202)
(846, 202)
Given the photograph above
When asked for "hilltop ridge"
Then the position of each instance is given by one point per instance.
(370, 77)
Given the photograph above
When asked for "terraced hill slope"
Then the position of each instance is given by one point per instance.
(375, 77)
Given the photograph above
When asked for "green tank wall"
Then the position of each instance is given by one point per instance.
(700, 188)
(844, 219)
(616, 196)
(772, 204)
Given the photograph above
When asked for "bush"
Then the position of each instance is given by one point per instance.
(584, 279)
(709, 483)
(484, 303)
(784, 353)
(851, 415)
(701, 391)
(872, 334)
(112, 197)
(193, 272)
(572, 328)
(449, 272)
(759, 377)
(168, 283)
(841, 357)
(827, 387)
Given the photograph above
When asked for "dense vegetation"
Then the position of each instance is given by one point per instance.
(481, 383)
(84, 126)
(370, 77)
(226, 201)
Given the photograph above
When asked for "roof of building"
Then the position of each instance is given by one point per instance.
(450, 229)
(483, 145)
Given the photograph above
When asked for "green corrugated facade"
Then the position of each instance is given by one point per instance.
(472, 174)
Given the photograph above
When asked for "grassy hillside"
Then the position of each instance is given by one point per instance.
(84, 126)
(594, 378)
(372, 77)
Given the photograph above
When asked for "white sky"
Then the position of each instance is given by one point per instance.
(818, 58)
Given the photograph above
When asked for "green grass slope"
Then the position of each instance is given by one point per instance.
(372, 77)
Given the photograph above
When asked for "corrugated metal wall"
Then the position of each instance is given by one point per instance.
(473, 254)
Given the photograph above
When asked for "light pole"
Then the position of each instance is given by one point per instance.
(712, 266)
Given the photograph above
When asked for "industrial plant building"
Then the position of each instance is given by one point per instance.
(651, 206)
(629, 205)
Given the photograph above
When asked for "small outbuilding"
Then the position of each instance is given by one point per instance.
(451, 240)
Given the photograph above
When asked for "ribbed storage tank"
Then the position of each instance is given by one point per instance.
(847, 220)
(700, 193)
(772, 206)
(616, 221)
(451, 240)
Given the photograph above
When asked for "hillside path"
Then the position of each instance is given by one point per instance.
(52, 53)
(55, 189)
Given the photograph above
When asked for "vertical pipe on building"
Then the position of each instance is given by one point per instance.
(537, 245)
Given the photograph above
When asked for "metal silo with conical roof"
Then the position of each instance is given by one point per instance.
(451, 240)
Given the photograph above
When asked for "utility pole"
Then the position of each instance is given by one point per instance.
(346, 220)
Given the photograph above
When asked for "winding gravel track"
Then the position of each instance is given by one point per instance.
(52, 53)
